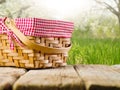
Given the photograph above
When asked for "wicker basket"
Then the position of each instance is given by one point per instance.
(37, 52)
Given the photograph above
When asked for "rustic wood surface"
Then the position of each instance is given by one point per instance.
(78, 77)
(99, 77)
(116, 67)
(64, 78)
(8, 76)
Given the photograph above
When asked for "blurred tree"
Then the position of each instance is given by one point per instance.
(20, 11)
(113, 6)
(2, 1)
(13, 8)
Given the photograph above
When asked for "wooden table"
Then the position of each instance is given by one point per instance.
(77, 77)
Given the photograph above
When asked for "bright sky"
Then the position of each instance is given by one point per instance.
(64, 8)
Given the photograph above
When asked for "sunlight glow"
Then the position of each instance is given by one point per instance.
(64, 8)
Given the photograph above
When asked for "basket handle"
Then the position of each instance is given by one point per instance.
(12, 26)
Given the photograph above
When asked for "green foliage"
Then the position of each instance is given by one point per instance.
(100, 27)
(97, 41)
(93, 50)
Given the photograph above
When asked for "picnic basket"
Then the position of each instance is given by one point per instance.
(34, 42)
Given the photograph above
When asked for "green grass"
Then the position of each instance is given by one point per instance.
(94, 50)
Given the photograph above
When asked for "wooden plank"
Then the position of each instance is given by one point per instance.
(116, 67)
(63, 78)
(99, 77)
(8, 76)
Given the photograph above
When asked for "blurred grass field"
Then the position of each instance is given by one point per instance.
(87, 50)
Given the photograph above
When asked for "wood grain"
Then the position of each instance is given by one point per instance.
(64, 78)
(116, 67)
(99, 77)
(8, 76)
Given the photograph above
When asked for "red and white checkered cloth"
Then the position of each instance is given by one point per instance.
(44, 28)
(39, 28)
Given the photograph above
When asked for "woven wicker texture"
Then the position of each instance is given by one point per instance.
(28, 58)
